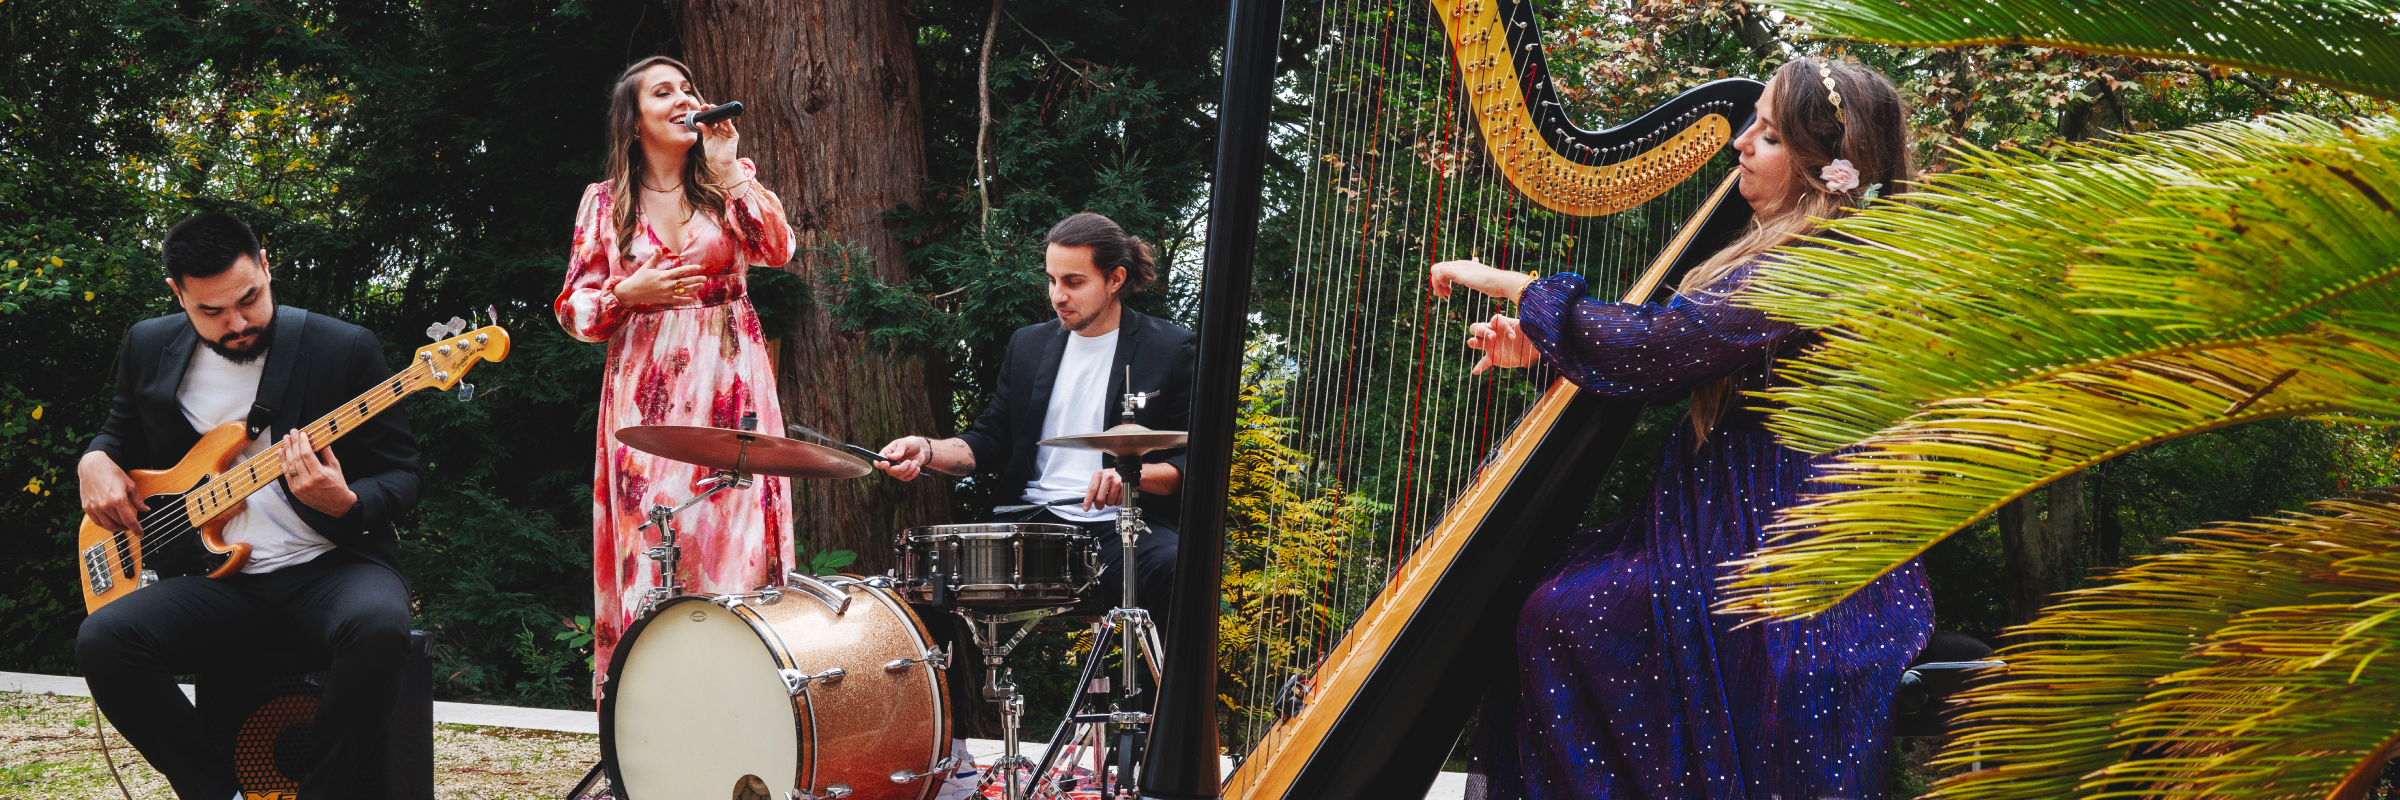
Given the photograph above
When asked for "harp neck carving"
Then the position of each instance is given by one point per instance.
(1498, 52)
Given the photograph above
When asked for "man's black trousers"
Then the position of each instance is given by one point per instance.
(341, 607)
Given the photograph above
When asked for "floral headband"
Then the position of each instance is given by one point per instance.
(1825, 73)
(1841, 176)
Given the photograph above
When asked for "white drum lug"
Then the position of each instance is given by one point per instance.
(766, 596)
(834, 596)
(795, 681)
(834, 792)
(939, 659)
(947, 763)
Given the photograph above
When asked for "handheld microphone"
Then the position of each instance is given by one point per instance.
(696, 119)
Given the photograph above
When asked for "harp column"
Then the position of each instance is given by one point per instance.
(1182, 762)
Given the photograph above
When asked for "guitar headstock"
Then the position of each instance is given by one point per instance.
(449, 359)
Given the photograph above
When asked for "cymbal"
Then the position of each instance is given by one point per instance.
(721, 448)
(1122, 440)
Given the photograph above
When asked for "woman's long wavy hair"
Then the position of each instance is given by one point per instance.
(626, 163)
(1872, 134)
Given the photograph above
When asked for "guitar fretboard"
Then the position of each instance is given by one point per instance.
(240, 480)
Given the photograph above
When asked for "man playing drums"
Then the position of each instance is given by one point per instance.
(1065, 377)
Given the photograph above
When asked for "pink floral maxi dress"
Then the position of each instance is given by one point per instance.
(702, 363)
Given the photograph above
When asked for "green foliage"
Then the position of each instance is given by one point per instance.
(1094, 108)
(2027, 318)
(827, 563)
(2345, 44)
(1288, 540)
(403, 164)
(2252, 665)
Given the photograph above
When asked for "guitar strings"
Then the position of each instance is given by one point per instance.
(151, 542)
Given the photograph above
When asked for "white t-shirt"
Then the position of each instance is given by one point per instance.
(1078, 404)
(216, 391)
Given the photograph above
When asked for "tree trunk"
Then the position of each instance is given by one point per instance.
(2108, 532)
(2039, 545)
(833, 120)
(2024, 545)
(2091, 111)
(2064, 527)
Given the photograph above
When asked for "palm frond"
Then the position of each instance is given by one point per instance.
(2021, 266)
(2258, 664)
(2352, 45)
(1932, 475)
(2253, 274)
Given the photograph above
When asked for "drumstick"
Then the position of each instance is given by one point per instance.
(855, 449)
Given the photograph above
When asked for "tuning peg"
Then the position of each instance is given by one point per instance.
(437, 331)
(466, 391)
(494, 313)
(457, 325)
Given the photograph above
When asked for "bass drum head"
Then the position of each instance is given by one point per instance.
(694, 703)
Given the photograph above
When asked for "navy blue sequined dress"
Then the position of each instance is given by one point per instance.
(1627, 686)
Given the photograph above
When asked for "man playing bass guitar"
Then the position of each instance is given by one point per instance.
(323, 572)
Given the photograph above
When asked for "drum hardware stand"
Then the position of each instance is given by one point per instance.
(1000, 686)
(666, 552)
(1137, 638)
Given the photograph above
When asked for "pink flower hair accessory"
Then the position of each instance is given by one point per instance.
(1840, 177)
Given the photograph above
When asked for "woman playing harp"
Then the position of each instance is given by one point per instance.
(1627, 685)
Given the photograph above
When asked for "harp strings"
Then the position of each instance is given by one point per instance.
(1370, 369)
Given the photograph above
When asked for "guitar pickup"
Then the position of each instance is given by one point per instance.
(95, 568)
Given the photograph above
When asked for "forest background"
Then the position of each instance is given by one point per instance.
(408, 162)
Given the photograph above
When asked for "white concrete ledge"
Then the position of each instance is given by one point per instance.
(538, 719)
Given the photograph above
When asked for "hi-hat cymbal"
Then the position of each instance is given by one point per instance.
(1122, 440)
(720, 448)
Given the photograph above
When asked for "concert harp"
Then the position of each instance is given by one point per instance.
(1435, 133)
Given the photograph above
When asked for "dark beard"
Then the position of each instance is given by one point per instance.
(266, 336)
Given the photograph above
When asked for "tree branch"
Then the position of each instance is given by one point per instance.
(983, 120)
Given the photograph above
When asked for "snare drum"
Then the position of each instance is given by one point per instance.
(996, 564)
(819, 689)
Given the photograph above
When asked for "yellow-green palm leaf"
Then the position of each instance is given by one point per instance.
(1997, 336)
(2353, 45)
(2259, 663)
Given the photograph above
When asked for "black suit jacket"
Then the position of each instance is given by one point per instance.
(1161, 355)
(324, 362)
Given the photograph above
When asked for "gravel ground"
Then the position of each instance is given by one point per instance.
(48, 751)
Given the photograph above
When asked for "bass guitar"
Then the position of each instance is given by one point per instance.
(191, 501)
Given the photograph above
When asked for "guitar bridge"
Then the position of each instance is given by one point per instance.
(95, 568)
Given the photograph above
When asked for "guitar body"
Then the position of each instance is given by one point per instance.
(112, 562)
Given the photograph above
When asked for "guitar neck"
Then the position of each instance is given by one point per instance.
(238, 482)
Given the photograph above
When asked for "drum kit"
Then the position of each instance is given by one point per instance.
(830, 687)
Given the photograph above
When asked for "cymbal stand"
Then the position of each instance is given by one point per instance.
(666, 552)
(1137, 638)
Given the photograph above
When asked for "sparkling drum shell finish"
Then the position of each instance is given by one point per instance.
(996, 564)
(821, 693)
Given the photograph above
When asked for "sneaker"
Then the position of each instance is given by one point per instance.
(961, 784)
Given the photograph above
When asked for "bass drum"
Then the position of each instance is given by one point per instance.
(818, 689)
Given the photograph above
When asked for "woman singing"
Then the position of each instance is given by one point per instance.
(657, 272)
(1627, 686)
